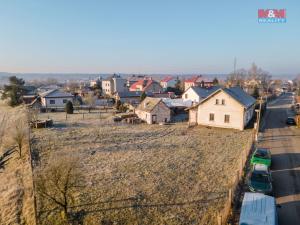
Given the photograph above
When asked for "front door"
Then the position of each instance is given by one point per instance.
(154, 118)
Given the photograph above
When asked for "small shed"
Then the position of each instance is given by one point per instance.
(153, 110)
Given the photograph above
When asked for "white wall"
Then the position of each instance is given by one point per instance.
(58, 102)
(231, 108)
(107, 87)
(190, 94)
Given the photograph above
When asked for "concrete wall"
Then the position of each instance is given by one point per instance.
(231, 108)
(161, 111)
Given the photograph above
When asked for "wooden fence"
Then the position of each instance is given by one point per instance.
(224, 214)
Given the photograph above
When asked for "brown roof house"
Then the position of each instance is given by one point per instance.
(153, 110)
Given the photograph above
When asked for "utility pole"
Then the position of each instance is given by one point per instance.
(258, 118)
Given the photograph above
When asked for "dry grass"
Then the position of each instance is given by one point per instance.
(16, 192)
(141, 174)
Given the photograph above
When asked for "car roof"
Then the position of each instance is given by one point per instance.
(258, 208)
(260, 167)
(262, 149)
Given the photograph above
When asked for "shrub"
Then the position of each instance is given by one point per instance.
(69, 107)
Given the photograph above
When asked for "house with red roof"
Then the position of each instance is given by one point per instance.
(197, 81)
(147, 85)
(168, 81)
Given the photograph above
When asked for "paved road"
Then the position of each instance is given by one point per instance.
(284, 143)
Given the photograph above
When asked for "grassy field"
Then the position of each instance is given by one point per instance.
(142, 174)
(16, 190)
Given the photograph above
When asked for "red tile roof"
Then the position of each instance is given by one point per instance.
(144, 83)
(193, 79)
(167, 79)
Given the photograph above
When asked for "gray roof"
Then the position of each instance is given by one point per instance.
(236, 93)
(177, 103)
(241, 96)
(148, 104)
(129, 94)
(205, 92)
(56, 94)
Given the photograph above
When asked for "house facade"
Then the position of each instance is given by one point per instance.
(55, 99)
(153, 110)
(168, 81)
(197, 81)
(114, 84)
(196, 94)
(226, 108)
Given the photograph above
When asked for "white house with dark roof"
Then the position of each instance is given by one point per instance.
(55, 98)
(196, 94)
(225, 107)
(168, 81)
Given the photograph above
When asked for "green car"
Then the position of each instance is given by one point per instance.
(259, 180)
(261, 156)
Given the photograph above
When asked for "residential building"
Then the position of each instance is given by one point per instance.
(147, 85)
(55, 99)
(96, 82)
(153, 110)
(225, 107)
(199, 81)
(134, 78)
(168, 81)
(130, 97)
(196, 94)
(114, 84)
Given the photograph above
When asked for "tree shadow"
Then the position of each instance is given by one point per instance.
(6, 156)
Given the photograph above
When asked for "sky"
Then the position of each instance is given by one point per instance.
(143, 36)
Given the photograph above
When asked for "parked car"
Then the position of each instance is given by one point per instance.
(258, 209)
(261, 156)
(290, 121)
(259, 179)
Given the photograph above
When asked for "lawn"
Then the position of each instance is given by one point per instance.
(143, 174)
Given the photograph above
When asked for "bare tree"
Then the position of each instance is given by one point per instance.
(20, 134)
(236, 78)
(58, 186)
(90, 100)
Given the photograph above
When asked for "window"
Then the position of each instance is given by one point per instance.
(186, 95)
(217, 101)
(65, 101)
(223, 101)
(211, 117)
(226, 119)
(52, 102)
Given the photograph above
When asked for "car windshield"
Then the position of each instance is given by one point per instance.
(259, 177)
(260, 153)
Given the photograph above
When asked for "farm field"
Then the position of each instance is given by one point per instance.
(140, 174)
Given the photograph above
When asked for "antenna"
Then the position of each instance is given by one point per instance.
(234, 66)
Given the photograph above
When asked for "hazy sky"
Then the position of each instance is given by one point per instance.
(146, 36)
